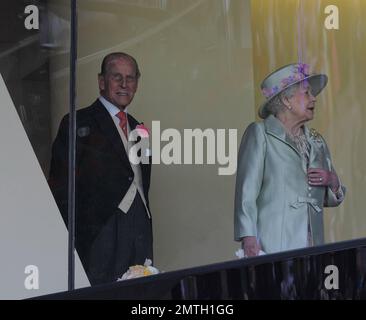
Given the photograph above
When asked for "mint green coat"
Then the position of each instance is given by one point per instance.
(273, 200)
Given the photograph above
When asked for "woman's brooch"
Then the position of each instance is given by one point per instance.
(315, 135)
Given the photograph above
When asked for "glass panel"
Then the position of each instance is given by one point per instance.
(34, 41)
(199, 70)
(195, 59)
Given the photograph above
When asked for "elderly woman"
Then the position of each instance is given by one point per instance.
(285, 175)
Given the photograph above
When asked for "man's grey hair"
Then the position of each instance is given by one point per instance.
(108, 59)
(276, 105)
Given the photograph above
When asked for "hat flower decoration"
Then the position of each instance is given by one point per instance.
(287, 76)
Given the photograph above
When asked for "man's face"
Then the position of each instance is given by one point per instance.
(119, 84)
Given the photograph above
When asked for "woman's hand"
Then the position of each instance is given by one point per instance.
(323, 178)
(250, 246)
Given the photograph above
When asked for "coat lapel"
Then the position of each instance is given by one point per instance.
(312, 147)
(109, 129)
(316, 153)
(275, 128)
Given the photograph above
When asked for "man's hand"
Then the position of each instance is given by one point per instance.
(250, 246)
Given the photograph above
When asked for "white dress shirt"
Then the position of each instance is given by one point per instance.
(136, 185)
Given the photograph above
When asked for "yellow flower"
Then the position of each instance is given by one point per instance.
(147, 272)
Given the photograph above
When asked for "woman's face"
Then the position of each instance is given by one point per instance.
(303, 103)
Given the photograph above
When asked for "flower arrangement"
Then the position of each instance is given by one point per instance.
(139, 271)
(270, 92)
(304, 69)
(240, 254)
(301, 71)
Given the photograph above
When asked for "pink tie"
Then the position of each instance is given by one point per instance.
(122, 122)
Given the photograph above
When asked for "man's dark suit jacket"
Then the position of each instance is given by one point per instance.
(103, 172)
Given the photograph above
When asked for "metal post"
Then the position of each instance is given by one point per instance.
(72, 148)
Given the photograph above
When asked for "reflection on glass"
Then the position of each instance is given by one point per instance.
(25, 70)
(34, 38)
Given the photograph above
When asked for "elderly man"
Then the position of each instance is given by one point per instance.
(113, 220)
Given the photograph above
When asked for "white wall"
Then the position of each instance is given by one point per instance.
(31, 229)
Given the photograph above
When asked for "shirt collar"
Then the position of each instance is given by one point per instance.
(274, 125)
(111, 108)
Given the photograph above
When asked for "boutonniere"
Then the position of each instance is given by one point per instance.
(142, 131)
(316, 136)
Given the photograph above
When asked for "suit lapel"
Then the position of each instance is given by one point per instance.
(132, 122)
(108, 128)
(145, 168)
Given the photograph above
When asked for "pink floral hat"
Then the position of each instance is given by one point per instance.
(284, 78)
